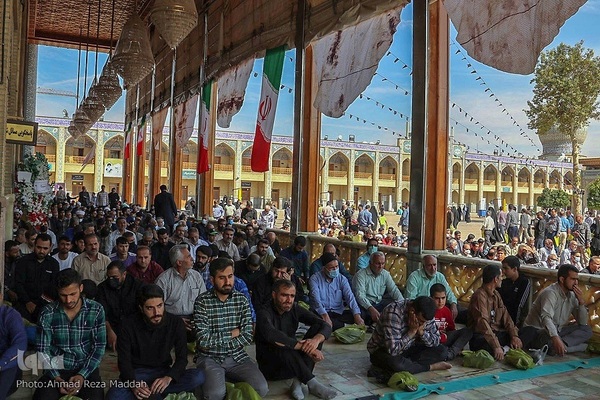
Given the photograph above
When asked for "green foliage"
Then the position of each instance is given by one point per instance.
(593, 192)
(554, 198)
(567, 86)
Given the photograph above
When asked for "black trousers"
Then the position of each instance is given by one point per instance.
(478, 341)
(88, 392)
(284, 363)
(339, 320)
(416, 359)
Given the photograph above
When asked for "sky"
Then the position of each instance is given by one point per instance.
(384, 107)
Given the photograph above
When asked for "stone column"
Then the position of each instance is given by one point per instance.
(99, 159)
(61, 142)
(480, 186)
(375, 180)
(399, 181)
(352, 159)
(516, 188)
(461, 183)
(325, 173)
(531, 187)
(30, 88)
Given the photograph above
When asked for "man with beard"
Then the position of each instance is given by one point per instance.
(160, 249)
(226, 244)
(91, 264)
(248, 213)
(279, 354)
(117, 296)
(64, 256)
(72, 327)
(223, 326)
(194, 241)
(265, 253)
(250, 270)
(11, 254)
(181, 285)
(203, 256)
(35, 276)
(282, 268)
(153, 374)
(549, 320)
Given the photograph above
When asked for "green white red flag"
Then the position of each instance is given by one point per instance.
(205, 123)
(141, 136)
(128, 135)
(272, 69)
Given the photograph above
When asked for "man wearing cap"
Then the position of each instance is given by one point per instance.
(164, 207)
(330, 292)
(317, 265)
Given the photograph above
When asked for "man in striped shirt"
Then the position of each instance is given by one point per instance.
(223, 325)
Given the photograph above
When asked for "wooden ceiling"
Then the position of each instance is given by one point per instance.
(64, 23)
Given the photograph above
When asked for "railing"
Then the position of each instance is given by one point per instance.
(406, 178)
(463, 274)
(282, 171)
(489, 182)
(387, 177)
(363, 175)
(223, 167)
(74, 159)
(189, 165)
(51, 157)
(338, 174)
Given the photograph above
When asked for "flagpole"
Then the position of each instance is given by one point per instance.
(152, 160)
(202, 203)
(172, 141)
(134, 160)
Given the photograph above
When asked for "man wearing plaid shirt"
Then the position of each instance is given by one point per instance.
(406, 338)
(223, 325)
(71, 330)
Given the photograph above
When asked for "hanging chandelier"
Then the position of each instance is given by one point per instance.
(81, 121)
(73, 131)
(92, 106)
(133, 58)
(174, 19)
(108, 88)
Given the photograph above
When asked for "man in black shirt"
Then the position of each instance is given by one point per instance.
(160, 249)
(250, 270)
(514, 290)
(117, 294)
(279, 354)
(144, 351)
(35, 276)
(282, 268)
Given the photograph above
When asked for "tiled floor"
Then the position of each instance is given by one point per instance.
(345, 368)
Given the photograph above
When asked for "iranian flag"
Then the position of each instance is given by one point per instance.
(141, 136)
(128, 141)
(273, 66)
(202, 165)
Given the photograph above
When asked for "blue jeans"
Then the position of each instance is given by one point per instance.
(187, 382)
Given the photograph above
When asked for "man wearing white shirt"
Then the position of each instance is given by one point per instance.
(64, 256)
(194, 241)
(218, 211)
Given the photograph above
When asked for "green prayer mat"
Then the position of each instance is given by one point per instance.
(459, 385)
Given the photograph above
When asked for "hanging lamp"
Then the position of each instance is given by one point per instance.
(81, 121)
(133, 58)
(108, 87)
(174, 19)
(92, 106)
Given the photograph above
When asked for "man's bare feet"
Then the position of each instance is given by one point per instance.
(440, 366)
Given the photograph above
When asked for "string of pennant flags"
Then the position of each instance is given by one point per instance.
(492, 95)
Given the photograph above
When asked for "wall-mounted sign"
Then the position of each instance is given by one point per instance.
(246, 185)
(188, 174)
(76, 177)
(113, 170)
(21, 132)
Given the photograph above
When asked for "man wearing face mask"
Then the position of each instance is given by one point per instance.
(117, 296)
(363, 261)
(329, 292)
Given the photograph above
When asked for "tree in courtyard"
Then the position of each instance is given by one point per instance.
(554, 198)
(593, 192)
(565, 96)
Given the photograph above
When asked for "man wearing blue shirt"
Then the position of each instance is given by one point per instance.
(12, 340)
(363, 261)
(329, 291)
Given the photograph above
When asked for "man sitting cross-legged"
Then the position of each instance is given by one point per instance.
(548, 322)
(406, 338)
(279, 354)
(493, 328)
(454, 340)
(144, 350)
